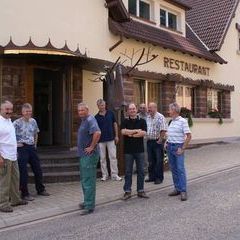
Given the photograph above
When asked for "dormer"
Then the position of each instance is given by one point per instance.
(168, 15)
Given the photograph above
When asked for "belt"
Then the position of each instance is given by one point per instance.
(174, 144)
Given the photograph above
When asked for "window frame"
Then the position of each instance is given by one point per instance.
(146, 91)
(137, 14)
(167, 12)
(192, 96)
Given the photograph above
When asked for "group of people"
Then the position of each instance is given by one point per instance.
(143, 131)
(18, 141)
(146, 136)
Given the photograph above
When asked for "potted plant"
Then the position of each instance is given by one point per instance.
(187, 113)
(214, 113)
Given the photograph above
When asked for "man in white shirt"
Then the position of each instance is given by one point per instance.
(9, 173)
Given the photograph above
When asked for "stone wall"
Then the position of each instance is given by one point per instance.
(76, 98)
(13, 84)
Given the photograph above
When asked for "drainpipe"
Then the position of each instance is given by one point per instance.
(116, 44)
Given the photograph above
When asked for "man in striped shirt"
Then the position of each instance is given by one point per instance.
(156, 130)
(179, 136)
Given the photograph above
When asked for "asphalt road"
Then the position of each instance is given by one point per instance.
(211, 213)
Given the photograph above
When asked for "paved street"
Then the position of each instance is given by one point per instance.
(157, 212)
(212, 212)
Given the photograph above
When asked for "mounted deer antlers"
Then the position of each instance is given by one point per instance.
(109, 70)
(138, 62)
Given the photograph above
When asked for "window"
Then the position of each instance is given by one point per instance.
(214, 100)
(185, 97)
(154, 93)
(168, 19)
(146, 91)
(138, 91)
(139, 8)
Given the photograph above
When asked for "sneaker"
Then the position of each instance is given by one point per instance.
(183, 196)
(116, 178)
(44, 193)
(28, 198)
(6, 209)
(126, 196)
(142, 195)
(174, 193)
(21, 202)
(104, 178)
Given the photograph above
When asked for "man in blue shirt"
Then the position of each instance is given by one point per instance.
(109, 138)
(88, 152)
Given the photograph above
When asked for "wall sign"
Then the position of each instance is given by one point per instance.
(185, 66)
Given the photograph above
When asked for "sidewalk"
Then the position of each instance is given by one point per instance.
(66, 196)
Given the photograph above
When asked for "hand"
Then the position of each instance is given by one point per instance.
(116, 140)
(1, 162)
(88, 150)
(165, 146)
(180, 151)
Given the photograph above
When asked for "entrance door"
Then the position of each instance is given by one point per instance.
(43, 85)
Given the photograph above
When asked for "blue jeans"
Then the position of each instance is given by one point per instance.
(129, 159)
(177, 167)
(155, 160)
(28, 154)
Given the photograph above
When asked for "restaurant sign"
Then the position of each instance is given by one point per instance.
(185, 66)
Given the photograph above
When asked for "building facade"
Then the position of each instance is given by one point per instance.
(56, 54)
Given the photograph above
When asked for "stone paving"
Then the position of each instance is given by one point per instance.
(66, 196)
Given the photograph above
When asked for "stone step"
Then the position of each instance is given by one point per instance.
(58, 167)
(55, 177)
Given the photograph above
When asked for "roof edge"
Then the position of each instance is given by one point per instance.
(180, 4)
(227, 27)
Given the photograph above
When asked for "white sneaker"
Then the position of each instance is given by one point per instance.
(116, 178)
(104, 178)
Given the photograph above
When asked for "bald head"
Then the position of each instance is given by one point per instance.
(6, 109)
(152, 108)
(132, 110)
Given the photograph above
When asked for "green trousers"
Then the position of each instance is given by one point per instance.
(88, 169)
(9, 183)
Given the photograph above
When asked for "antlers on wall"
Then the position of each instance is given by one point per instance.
(144, 54)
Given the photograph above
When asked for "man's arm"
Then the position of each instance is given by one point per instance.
(186, 142)
(116, 132)
(36, 140)
(95, 139)
(129, 132)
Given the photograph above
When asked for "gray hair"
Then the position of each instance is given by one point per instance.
(100, 101)
(82, 104)
(175, 107)
(5, 103)
(26, 106)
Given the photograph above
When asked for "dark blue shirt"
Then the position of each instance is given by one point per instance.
(106, 125)
(85, 135)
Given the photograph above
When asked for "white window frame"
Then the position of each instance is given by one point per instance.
(178, 17)
(214, 96)
(138, 8)
(184, 95)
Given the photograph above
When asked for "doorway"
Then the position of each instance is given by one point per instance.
(48, 106)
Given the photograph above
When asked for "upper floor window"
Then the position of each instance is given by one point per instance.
(168, 19)
(140, 8)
